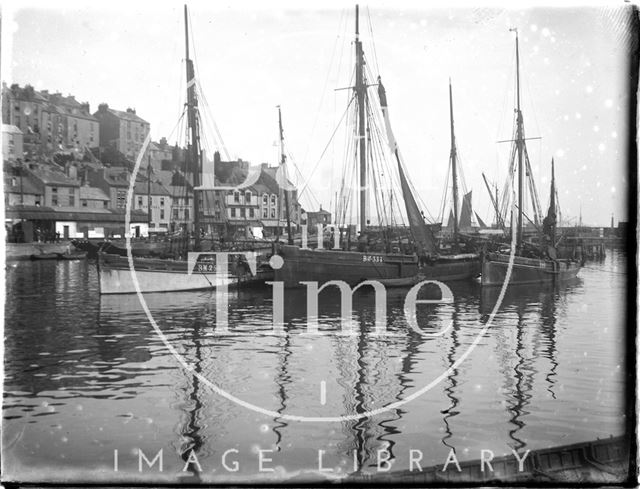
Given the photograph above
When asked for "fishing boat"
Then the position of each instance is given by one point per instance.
(533, 263)
(169, 275)
(394, 263)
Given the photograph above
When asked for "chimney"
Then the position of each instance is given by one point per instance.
(163, 142)
(103, 108)
(131, 111)
(216, 157)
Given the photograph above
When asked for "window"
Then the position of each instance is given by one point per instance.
(186, 214)
(273, 213)
(175, 214)
(233, 212)
(105, 204)
(273, 199)
(54, 190)
(247, 197)
(243, 212)
(217, 215)
(54, 200)
(121, 196)
(72, 201)
(139, 202)
(161, 213)
(236, 197)
(265, 199)
(161, 201)
(265, 213)
(252, 213)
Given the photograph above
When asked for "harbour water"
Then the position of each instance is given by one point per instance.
(89, 384)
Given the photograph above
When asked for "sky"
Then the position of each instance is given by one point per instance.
(251, 58)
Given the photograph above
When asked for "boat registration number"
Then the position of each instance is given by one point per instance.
(205, 267)
(372, 258)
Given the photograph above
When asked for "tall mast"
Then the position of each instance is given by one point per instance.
(193, 152)
(283, 160)
(519, 146)
(454, 166)
(361, 89)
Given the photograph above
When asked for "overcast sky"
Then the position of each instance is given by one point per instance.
(251, 59)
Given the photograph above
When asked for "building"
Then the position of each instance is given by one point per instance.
(318, 217)
(181, 190)
(152, 196)
(59, 188)
(255, 209)
(123, 130)
(160, 154)
(12, 143)
(113, 181)
(93, 197)
(50, 123)
(21, 189)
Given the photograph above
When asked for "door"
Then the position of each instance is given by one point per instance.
(66, 232)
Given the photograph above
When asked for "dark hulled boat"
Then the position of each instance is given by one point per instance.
(421, 260)
(531, 263)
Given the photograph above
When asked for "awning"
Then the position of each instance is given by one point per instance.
(36, 213)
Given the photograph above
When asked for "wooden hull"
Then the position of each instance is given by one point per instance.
(153, 275)
(353, 267)
(44, 256)
(526, 270)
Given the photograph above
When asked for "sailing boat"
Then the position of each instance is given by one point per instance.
(165, 275)
(422, 261)
(532, 264)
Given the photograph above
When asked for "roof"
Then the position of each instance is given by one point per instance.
(142, 187)
(11, 129)
(117, 175)
(121, 114)
(92, 193)
(28, 185)
(49, 175)
(66, 214)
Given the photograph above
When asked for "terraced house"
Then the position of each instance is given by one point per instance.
(122, 130)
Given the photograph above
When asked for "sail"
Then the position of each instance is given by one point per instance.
(450, 221)
(425, 240)
(465, 213)
(549, 222)
(480, 221)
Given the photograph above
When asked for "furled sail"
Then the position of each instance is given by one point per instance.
(465, 213)
(425, 240)
(549, 222)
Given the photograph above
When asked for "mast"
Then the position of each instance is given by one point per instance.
(361, 89)
(494, 200)
(519, 147)
(193, 152)
(454, 169)
(283, 160)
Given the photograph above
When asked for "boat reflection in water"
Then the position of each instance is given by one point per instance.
(362, 372)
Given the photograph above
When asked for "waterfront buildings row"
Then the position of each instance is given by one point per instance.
(68, 171)
(162, 201)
